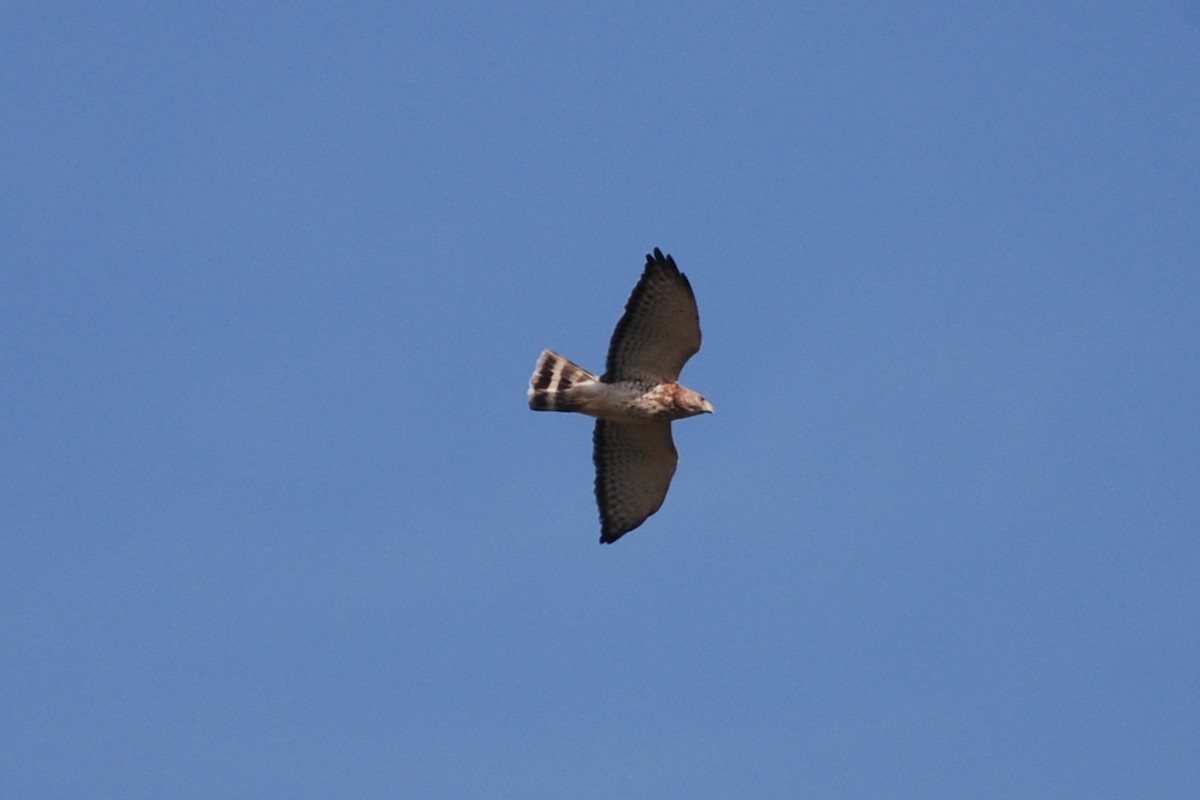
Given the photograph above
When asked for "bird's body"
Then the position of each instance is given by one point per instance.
(622, 401)
(636, 399)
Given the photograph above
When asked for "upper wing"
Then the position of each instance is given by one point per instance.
(634, 466)
(660, 329)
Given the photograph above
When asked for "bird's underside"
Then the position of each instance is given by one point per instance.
(636, 399)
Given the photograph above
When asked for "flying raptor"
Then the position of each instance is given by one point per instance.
(637, 397)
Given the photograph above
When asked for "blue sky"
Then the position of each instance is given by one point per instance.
(276, 520)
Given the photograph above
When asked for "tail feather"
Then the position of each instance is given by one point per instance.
(553, 379)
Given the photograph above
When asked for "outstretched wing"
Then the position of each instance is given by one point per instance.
(634, 466)
(660, 329)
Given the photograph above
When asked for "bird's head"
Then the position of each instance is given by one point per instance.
(689, 403)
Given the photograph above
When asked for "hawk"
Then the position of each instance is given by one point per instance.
(636, 399)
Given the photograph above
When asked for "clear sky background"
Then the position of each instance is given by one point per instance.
(275, 520)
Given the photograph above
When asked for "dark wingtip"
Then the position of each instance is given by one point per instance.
(609, 530)
(657, 259)
(610, 533)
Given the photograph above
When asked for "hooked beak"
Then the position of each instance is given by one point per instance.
(708, 408)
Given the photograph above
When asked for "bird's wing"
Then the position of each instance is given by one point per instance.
(660, 329)
(634, 466)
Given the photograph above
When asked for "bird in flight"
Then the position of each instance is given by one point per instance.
(637, 397)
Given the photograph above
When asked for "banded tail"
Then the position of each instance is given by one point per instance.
(552, 382)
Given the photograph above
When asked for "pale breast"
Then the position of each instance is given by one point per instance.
(628, 401)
